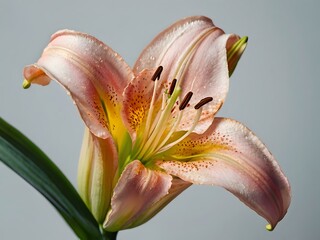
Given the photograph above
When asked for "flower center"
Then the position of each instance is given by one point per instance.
(159, 133)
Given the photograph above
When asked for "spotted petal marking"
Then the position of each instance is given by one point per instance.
(230, 155)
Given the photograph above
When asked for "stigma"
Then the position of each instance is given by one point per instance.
(158, 134)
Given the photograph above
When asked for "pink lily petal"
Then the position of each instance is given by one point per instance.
(177, 187)
(137, 190)
(36, 74)
(91, 72)
(207, 75)
(97, 167)
(230, 155)
(136, 102)
(194, 51)
(165, 47)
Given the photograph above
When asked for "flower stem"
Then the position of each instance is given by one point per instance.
(108, 235)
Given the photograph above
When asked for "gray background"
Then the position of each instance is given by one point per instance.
(274, 91)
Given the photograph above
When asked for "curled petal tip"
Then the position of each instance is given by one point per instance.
(235, 52)
(26, 84)
(33, 74)
(269, 227)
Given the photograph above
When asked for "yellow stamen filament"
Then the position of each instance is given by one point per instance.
(196, 120)
(155, 77)
(161, 127)
(182, 106)
(161, 123)
(171, 131)
(155, 122)
(164, 101)
(155, 145)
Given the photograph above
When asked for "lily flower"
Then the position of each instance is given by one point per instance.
(151, 131)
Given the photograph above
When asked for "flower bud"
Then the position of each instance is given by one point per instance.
(234, 53)
(97, 167)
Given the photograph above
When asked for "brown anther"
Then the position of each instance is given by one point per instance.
(157, 73)
(203, 102)
(172, 86)
(185, 101)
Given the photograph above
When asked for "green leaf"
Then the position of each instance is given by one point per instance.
(27, 160)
